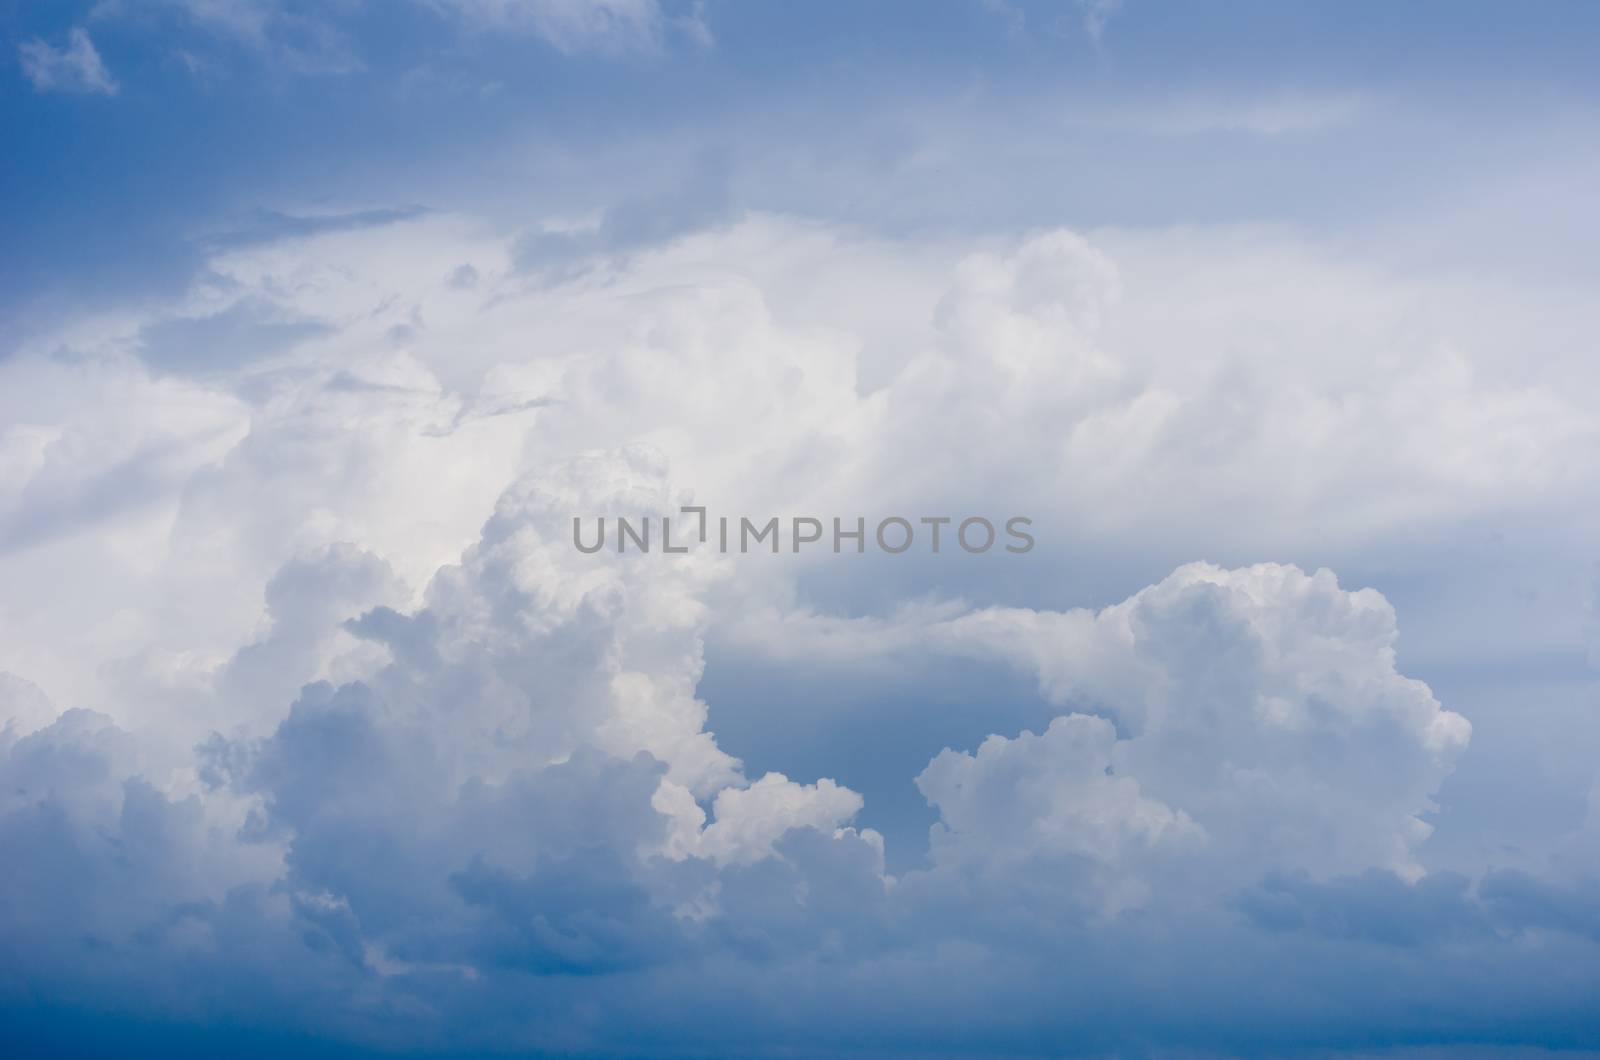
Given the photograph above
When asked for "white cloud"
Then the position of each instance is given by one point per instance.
(449, 740)
(1052, 805)
(73, 67)
(1263, 702)
(1116, 387)
(749, 820)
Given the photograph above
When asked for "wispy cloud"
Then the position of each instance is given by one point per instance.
(1267, 115)
(74, 67)
(1096, 13)
(584, 26)
(296, 41)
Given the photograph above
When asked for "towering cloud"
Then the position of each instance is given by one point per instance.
(371, 739)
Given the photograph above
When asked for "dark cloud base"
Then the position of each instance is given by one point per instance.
(572, 954)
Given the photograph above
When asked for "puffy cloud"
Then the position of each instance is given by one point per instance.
(1253, 718)
(510, 790)
(307, 603)
(1051, 805)
(750, 819)
(111, 883)
(1264, 702)
(463, 777)
(73, 67)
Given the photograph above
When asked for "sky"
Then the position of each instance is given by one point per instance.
(321, 324)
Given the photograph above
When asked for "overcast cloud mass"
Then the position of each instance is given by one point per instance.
(321, 322)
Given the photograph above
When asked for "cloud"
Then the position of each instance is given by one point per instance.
(392, 840)
(1014, 18)
(74, 67)
(24, 707)
(609, 27)
(1051, 805)
(1375, 906)
(75, 453)
(749, 820)
(264, 226)
(292, 38)
(281, 33)
(373, 744)
(1110, 387)
(1262, 702)
(1267, 115)
(1096, 14)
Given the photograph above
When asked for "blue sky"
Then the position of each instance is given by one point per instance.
(339, 105)
(320, 322)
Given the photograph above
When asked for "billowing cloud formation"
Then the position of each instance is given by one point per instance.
(496, 804)
(351, 728)
(1263, 702)
(1046, 803)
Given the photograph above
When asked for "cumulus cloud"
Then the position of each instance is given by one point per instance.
(72, 67)
(1042, 805)
(465, 821)
(750, 819)
(375, 742)
(1264, 702)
